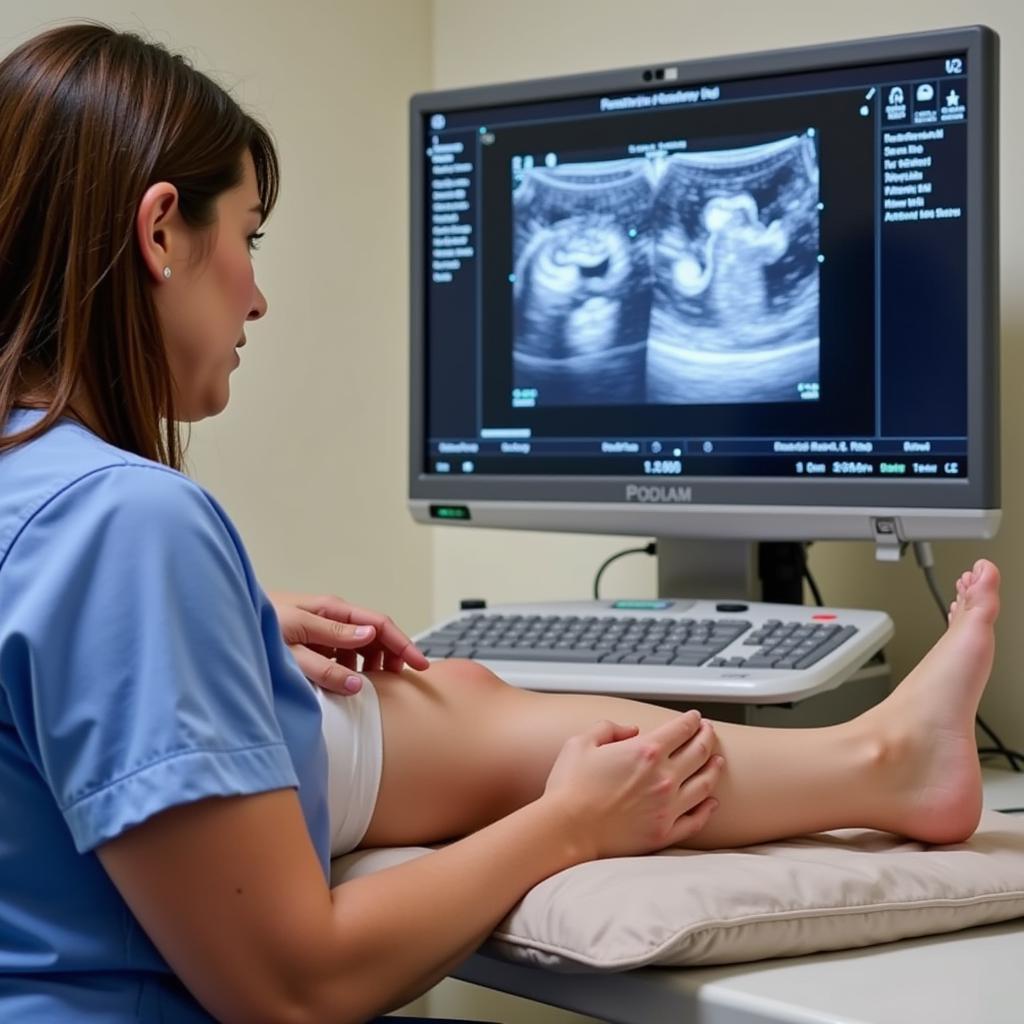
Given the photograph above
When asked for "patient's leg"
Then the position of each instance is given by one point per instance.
(461, 748)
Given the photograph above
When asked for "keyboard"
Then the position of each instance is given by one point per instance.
(733, 651)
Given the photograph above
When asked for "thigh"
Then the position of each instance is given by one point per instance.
(462, 748)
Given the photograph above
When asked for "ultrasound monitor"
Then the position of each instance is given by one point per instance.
(753, 297)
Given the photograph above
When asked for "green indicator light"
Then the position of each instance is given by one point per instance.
(449, 512)
(643, 606)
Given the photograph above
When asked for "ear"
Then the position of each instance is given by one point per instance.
(158, 228)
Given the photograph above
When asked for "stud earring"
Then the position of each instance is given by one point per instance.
(167, 272)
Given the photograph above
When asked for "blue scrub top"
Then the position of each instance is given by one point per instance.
(141, 667)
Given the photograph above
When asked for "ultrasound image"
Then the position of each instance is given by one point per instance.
(582, 295)
(686, 279)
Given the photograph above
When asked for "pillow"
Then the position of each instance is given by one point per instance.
(834, 890)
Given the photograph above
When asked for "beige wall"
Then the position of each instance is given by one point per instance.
(309, 456)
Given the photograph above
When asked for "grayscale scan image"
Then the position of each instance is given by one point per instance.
(582, 293)
(689, 278)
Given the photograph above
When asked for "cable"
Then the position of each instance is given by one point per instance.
(923, 553)
(807, 576)
(925, 559)
(1000, 747)
(995, 751)
(647, 549)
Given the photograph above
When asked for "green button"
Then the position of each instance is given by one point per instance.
(643, 606)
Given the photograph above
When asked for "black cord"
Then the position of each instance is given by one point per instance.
(807, 576)
(647, 549)
(922, 551)
(933, 586)
(994, 751)
(1000, 747)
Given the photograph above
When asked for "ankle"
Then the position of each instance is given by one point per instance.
(883, 763)
(878, 745)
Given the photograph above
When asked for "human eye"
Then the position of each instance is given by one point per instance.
(254, 240)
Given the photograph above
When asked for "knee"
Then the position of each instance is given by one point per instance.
(462, 679)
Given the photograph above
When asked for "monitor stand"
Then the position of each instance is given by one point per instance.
(767, 571)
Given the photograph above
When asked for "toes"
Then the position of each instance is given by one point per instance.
(986, 571)
(979, 588)
(983, 577)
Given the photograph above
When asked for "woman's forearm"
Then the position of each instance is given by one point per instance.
(402, 929)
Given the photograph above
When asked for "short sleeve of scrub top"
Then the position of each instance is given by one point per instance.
(134, 666)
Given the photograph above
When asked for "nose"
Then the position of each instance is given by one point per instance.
(259, 305)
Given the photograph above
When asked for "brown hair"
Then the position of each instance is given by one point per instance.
(89, 119)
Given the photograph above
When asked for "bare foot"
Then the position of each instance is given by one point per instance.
(927, 723)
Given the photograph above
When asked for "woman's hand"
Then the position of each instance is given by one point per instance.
(327, 635)
(627, 794)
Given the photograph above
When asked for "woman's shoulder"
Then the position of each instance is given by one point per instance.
(70, 478)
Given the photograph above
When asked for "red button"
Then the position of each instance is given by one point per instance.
(824, 618)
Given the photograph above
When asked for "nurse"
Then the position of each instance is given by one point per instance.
(168, 802)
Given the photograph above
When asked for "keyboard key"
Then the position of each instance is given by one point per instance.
(532, 654)
(436, 651)
(761, 661)
(833, 642)
(441, 635)
(690, 659)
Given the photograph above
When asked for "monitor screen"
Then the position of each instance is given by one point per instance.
(753, 296)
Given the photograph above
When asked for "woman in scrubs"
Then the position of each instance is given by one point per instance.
(168, 801)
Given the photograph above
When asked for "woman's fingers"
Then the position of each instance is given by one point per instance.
(327, 623)
(312, 630)
(696, 800)
(689, 824)
(701, 784)
(327, 673)
(694, 753)
(604, 732)
(345, 641)
(388, 635)
(673, 735)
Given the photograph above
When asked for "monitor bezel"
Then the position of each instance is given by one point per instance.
(777, 508)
